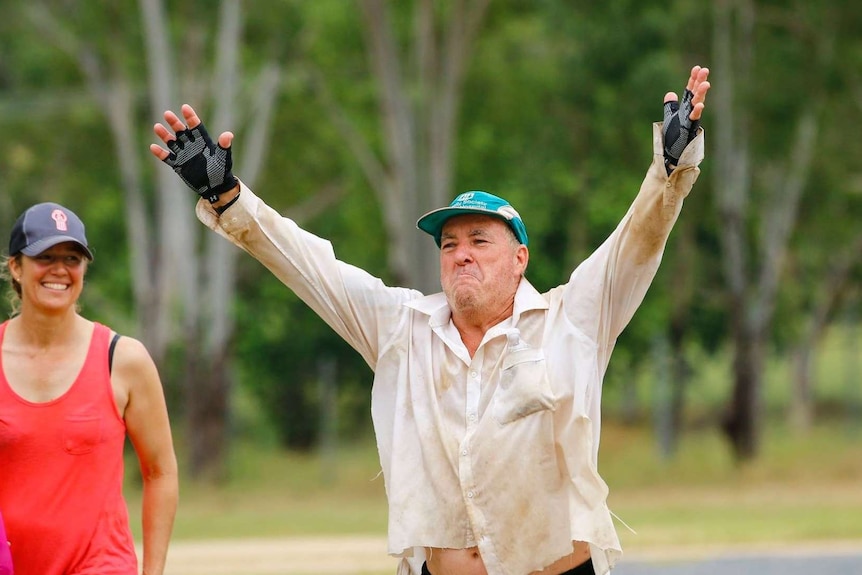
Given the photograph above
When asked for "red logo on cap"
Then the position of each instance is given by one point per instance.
(60, 219)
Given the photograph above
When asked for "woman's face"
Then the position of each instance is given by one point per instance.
(52, 280)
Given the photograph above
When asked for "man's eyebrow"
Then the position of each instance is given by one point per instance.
(475, 232)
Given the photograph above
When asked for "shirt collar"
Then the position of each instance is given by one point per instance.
(527, 298)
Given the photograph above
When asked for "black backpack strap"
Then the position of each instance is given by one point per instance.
(111, 351)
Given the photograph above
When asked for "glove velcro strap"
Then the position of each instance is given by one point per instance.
(213, 194)
(220, 210)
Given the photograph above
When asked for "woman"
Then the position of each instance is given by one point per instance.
(71, 390)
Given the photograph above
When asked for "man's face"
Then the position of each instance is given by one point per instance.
(481, 264)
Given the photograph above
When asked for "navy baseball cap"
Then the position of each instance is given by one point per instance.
(475, 202)
(44, 226)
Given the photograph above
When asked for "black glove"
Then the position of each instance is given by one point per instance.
(203, 165)
(678, 129)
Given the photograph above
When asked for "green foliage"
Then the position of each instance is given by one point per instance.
(558, 101)
(803, 489)
(282, 349)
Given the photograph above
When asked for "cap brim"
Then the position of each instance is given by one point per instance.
(432, 222)
(37, 248)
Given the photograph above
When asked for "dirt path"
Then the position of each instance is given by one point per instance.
(366, 555)
(286, 556)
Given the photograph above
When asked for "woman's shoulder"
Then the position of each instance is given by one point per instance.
(126, 352)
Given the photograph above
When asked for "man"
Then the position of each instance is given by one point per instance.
(486, 397)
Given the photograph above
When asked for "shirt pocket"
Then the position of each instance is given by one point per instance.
(81, 433)
(524, 386)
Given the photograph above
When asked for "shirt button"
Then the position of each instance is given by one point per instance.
(473, 374)
(470, 494)
(472, 417)
(463, 452)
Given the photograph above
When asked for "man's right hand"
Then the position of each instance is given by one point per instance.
(204, 166)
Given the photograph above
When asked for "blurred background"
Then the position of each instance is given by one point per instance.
(733, 403)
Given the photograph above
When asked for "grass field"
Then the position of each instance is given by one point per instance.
(802, 490)
(288, 513)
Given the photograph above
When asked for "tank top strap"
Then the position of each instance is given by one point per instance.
(94, 379)
(100, 340)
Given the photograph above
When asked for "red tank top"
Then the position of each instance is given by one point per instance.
(61, 475)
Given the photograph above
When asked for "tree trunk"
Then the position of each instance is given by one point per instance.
(207, 415)
(752, 300)
(801, 412)
(419, 132)
(828, 298)
(683, 277)
(742, 420)
(203, 293)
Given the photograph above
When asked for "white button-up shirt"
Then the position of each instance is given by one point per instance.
(498, 450)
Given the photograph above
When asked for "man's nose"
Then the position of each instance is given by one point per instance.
(463, 254)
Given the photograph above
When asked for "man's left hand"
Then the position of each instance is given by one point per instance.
(681, 121)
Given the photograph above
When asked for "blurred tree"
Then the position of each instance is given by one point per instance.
(824, 264)
(392, 103)
(383, 106)
(771, 63)
(418, 55)
(586, 81)
(182, 294)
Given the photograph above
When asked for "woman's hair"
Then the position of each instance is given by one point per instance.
(13, 294)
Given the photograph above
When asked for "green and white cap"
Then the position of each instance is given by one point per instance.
(473, 202)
